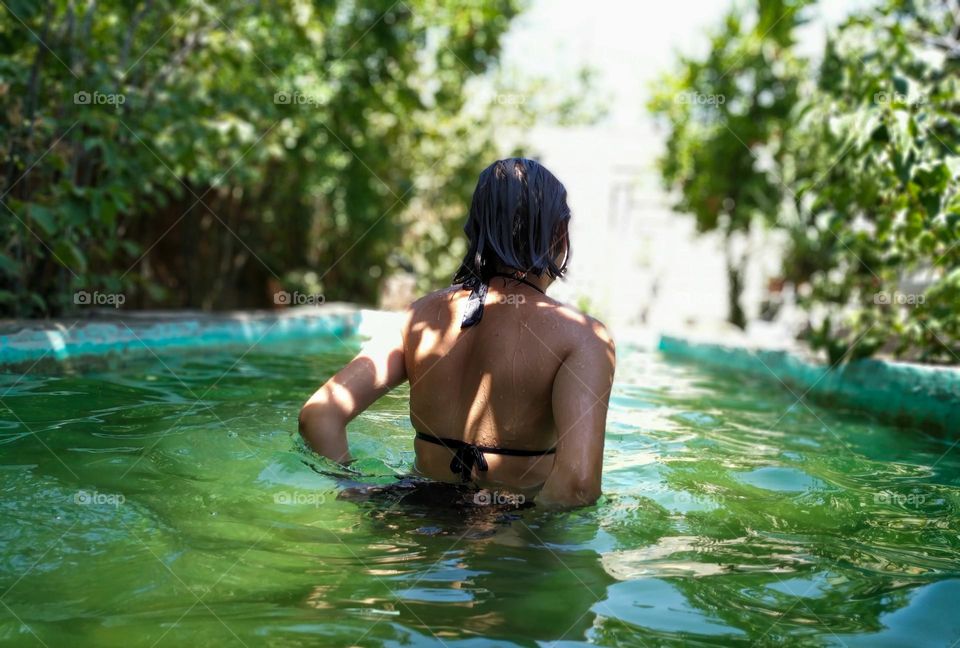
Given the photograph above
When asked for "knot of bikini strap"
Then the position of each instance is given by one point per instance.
(465, 458)
(474, 309)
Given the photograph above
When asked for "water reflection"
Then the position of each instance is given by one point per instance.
(499, 572)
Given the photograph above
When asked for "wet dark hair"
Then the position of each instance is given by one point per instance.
(518, 219)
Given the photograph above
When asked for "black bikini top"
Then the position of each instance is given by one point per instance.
(466, 456)
(478, 295)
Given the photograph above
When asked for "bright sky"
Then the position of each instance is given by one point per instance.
(631, 42)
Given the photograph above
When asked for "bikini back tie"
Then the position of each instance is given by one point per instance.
(467, 455)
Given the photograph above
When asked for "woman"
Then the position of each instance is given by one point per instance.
(508, 387)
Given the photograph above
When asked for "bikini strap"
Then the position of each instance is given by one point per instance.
(474, 309)
(523, 281)
(478, 295)
(465, 458)
(467, 455)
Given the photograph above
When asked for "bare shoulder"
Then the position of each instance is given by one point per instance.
(432, 310)
(432, 303)
(585, 333)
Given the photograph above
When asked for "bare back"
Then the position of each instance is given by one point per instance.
(491, 384)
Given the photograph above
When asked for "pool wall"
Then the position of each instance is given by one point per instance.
(910, 394)
(27, 341)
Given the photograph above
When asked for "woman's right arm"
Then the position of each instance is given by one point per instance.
(581, 394)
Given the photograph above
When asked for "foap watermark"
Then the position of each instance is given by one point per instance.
(96, 498)
(509, 99)
(701, 99)
(97, 98)
(510, 300)
(889, 98)
(299, 498)
(884, 298)
(297, 298)
(899, 499)
(666, 495)
(695, 499)
(97, 298)
(297, 98)
(498, 498)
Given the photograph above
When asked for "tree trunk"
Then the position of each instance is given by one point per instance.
(736, 268)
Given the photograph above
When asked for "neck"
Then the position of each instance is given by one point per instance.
(541, 282)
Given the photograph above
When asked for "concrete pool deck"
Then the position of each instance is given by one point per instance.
(108, 331)
(903, 392)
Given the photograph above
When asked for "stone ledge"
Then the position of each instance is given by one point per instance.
(105, 332)
(907, 393)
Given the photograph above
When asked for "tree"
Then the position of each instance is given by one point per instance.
(725, 117)
(873, 161)
(859, 166)
(189, 154)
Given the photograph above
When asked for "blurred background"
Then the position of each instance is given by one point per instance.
(787, 168)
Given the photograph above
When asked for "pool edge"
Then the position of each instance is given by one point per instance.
(908, 393)
(61, 340)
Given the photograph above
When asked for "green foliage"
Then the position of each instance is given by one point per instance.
(195, 154)
(874, 167)
(725, 116)
(858, 165)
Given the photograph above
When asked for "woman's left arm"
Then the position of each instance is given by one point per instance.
(378, 368)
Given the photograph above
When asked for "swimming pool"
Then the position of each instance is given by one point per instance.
(162, 500)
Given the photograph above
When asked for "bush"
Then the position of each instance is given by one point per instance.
(857, 161)
(194, 154)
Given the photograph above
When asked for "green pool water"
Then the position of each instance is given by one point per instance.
(163, 501)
